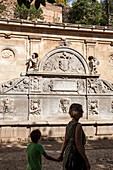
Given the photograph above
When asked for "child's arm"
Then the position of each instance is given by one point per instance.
(49, 157)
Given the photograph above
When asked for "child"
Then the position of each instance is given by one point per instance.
(34, 151)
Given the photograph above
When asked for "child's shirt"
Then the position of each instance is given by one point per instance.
(34, 158)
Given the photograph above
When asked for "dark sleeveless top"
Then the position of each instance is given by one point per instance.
(70, 135)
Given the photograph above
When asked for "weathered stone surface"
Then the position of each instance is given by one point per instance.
(62, 76)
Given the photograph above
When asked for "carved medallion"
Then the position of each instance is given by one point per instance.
(35, 106)
(93, 107)
(7, 53)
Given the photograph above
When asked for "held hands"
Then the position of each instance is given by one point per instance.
(60, 158)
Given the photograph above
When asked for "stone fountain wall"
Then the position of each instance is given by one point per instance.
(62, 78)
(42, 96)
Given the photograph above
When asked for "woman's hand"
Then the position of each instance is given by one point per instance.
(60, 158)
(88, 165)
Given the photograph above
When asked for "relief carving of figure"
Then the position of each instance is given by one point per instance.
(35, 84)
(35, 107)
(7, 106)
(93, 62)
(32, 62)
(93, 107)
(64, 105)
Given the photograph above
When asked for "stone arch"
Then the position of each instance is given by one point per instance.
(64, 59)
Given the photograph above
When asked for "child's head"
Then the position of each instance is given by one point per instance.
(35, 135)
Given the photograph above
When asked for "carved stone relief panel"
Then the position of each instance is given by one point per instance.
(16, 85)
(99, 86)
(47, 85)
(64, 85)
(64, 105)
(112, 106)
(93, 107)
(35, 84)
(35, 106)
(64, 62)
(6, 106)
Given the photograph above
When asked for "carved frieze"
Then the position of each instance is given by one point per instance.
(64, 105)
(16, 85)
(6, 106)
(35, 106)
(99, 86)
(93, 107)
(64, 62)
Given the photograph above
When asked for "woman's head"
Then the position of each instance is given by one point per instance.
(76, 110)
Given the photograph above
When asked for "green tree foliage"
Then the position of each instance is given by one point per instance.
(88, 12)
(22, 12)
(108, 7)
(62, 1)
(27, 3)
(2, 7)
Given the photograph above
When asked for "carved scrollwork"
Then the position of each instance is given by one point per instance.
(99, 86)
(35, 107)
(6, 106)
(93, 107)
(16, 85)
(64, 105)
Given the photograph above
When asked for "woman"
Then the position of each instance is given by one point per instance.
(74, 139)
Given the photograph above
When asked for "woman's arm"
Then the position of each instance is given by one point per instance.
(63, 149)
(49, 157)
(79, 146)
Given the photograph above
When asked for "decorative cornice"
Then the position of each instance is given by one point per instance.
(62, 26)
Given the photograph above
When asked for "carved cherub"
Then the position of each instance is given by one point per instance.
(32, 62)
(93, 62)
